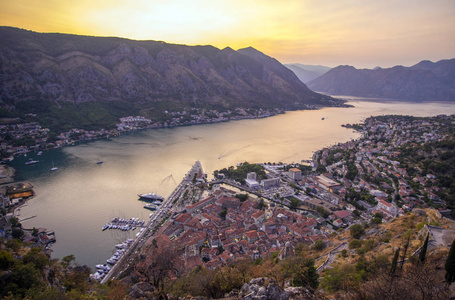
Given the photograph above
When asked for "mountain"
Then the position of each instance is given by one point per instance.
(42, 70)
(425, 81)
(307, 73)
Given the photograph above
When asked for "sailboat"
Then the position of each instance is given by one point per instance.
(53, 167)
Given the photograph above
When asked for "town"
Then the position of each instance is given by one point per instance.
(255, 210)
(19, 137)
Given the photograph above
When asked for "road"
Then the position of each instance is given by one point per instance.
(331, 256)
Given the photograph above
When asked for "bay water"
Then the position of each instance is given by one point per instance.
(76, 200)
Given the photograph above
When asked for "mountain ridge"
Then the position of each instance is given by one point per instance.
(148, 75)
(425, 81)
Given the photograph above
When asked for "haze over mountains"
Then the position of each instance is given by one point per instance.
(307, 73)
(64, 68)
(425, 81)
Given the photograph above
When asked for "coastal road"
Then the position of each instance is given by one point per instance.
(129, 257)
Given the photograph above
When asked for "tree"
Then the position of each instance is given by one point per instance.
(159, 264)
(407, 236)
(305, 274)
(223, 214)
(294, 202)
(355, 243)
(37, 258)
(241, 197)
(6, 260)
(319, 245)
(395, 262)
(423, 251)
(356, 231)
(261, 204)
(450, 264)
(68, 260)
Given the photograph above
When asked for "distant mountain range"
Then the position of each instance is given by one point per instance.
(307, 73)
(38, 70)
(425, 81)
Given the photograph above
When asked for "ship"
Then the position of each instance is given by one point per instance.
(150, 197)
(150, 206)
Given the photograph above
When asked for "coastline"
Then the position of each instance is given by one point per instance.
(76, 136)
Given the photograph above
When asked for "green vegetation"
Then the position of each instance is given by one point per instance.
(66, 116)
(239, 173)
(294, 202)
(30, 273)
(319, 245)
(298, 270)
(356, 231)
(241, 197)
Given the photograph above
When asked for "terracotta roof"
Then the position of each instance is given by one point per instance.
(385, 203)
(183, 218)
(342, 214)
(258, 214)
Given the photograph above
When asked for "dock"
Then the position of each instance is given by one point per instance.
(131, 253)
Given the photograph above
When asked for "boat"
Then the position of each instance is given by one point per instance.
(54, 168)
(31, 162)
(156, 202)
(103, 267)
(150, 196)
(150, 206)
(39, 153)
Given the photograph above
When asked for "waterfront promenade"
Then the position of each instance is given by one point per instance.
(131, 254)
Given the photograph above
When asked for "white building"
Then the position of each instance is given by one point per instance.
(252, 175)
(267, 183)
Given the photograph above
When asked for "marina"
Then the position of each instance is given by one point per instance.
(123, 224)
(103, 269)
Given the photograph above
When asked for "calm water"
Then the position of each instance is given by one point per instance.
(77, 199)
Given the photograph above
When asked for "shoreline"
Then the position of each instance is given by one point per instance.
(107, 134)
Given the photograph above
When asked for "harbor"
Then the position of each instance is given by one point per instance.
(122, 224)
(157, 218)
(84, 195)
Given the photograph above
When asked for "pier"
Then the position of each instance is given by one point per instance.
(131, 253)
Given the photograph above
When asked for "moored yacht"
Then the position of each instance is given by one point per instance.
(150, 197)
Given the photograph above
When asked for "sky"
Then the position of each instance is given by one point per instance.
(361, 33)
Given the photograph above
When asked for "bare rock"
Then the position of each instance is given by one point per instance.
(141, 289)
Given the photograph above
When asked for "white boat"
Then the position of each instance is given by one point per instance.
(31, 162)
(39, 153)
(54, 168)
(103, 267)
(150, 206)
(121, 246)
(150, 197)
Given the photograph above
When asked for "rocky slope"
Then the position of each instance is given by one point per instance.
(149, 74)
(425, 81)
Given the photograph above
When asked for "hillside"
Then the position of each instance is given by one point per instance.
(62, 73)
(425, 81)
(307, 73)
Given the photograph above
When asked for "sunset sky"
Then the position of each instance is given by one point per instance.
(362, 33)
